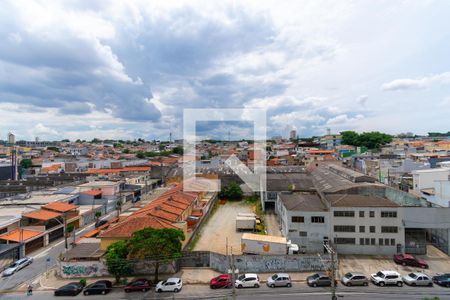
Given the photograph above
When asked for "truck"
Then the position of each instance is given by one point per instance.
(245, 223)
(267, 244)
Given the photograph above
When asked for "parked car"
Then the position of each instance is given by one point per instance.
(247, 280)
(353, 278)
(318, 279)
(442, 279)
(70, 289)
(279, 279)
(99, 287)
(170, 285)
(140, 284)
(100, 223)
(383, 278)
(18, 265)
(409, 260)
(221, 281)
(417, 279)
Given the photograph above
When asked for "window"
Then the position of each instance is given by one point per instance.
(372, 229)
(389, 214)
(392, 242)
(372, 241)
(362, 228)
(361, 241)
(298, 219)
(372, 214)
(367, 242)
(317, 219)
(344, 213)
(344, 228)
(389, 229)
(303, 233)
(361, 214)
(344, 241)
(380, 242)
(386, 242)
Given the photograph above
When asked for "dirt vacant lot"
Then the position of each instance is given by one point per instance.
(222, 225)
(437, 260)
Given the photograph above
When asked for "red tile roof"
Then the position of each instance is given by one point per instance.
(42, 214)
(15, 235)
(60, 206)
(119, 170)
(125, 229)
(92, 192)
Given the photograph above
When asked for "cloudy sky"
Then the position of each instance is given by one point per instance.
(109, 69)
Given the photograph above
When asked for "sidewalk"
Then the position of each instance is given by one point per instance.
(190, 276)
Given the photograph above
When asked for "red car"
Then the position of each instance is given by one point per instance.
(221, 281)
(409, 260)
(138, 285)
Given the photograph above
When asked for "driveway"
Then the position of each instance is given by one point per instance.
(221, 228)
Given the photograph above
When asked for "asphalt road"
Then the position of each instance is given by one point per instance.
(298, 291)
(40, 265)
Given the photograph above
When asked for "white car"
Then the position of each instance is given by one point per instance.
(170, 285)
(383, 278)
(247, 280)
(18, 265)
(417, 278)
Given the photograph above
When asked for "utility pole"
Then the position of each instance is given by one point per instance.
(233, 275)
(332, 253)
(65, 231)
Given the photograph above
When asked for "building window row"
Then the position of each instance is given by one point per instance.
(344, 213)
(344, 241)
(389, 214)
(303, 233)
(367, 241)
(298, 219)
(317, 219)
(386, 242)
(389, 229)
(344, 228)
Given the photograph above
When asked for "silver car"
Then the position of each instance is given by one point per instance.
(417, 279)
(279, 279)
(353, 278)
(18, 265)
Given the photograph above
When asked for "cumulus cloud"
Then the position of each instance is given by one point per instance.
(362, 100)
(417, 83)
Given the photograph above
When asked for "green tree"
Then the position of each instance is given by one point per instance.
(350, 138)
(140, 154)
(53, 148)
(178, 150)
(160, 245)
(371, 140)
(26, 163)
(116, 260)
(232, 192)
(96, 141)
(65, 141)
(126, 151)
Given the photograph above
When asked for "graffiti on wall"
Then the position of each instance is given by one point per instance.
(74, 269)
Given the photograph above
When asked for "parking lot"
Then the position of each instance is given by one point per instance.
(220, 227)
(438, 263)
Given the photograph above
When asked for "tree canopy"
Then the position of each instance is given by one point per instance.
(370, 140)
(26, 163)
(116, 260)
(160, 245)
(232, 192)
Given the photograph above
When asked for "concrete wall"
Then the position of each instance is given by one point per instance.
(82, 269)
(425, 179)
(267, 263)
